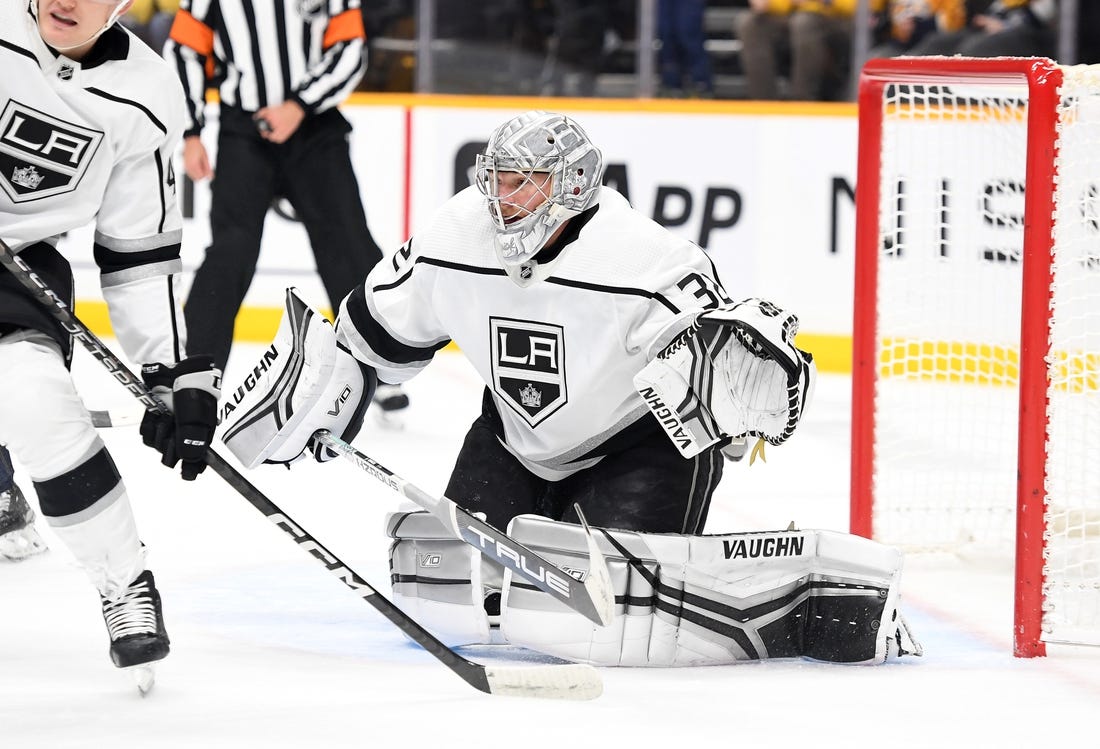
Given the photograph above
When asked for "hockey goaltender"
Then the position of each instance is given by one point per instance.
(619, 378)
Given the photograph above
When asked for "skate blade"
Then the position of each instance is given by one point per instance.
(21, 544)
(144, 677)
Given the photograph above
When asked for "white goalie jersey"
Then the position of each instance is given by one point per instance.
(558, 356)
(93, 141)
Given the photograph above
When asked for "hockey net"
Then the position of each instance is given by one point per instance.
(976, 367)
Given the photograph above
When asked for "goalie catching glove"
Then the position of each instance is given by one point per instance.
(734, 372)
(304, 382)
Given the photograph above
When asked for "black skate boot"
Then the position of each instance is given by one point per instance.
(136, 625)
(18, 538)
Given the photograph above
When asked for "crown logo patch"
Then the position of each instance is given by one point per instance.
(530, 396)
(27, 177)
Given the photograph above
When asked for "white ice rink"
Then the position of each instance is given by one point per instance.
(269, 650)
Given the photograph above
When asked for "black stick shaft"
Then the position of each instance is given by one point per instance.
(472, 673)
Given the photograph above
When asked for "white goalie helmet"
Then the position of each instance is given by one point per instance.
(530, 144)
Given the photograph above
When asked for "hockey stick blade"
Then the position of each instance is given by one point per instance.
(598, 581)
(594, 598)
(566, 681)
(115, 418)
(550, 681)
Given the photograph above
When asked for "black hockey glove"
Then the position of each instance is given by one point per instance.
(190, 389)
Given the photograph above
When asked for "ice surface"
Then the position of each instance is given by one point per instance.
(269, 650)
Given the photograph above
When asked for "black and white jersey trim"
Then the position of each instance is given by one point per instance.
(380, 341)
(19, 51)
(554, 280)
(137, 105)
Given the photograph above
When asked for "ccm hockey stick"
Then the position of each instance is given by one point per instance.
(115, 418)
(594, 598)
(561, 681)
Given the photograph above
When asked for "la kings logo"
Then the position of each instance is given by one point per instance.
(42, 156)
(528, 367)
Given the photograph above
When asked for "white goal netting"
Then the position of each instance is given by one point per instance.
(948, 319)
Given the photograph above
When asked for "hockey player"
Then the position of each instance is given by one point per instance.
(89, 120)
(617, 370)
(18, 537)
(558, 292)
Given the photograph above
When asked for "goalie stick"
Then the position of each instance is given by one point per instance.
(559, 681)
(593, 598)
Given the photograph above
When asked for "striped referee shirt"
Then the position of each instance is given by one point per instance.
(266, 52)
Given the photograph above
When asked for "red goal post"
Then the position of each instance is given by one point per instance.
(976, 338)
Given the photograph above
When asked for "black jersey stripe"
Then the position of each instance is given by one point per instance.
(137, 105)
(162, 182)
(328, 69)
(19, 50)
(626, 290)
(284, 53)
(379, 339)
(599, 288)
(177, 347)
(257, 71)
(113, 261)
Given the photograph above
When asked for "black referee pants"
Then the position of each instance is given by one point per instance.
(313, 171)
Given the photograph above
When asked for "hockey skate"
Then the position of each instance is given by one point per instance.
(136, 627)
(18, 538)
(390, 402)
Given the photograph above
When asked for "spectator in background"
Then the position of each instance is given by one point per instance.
(1015, 28)
(577, 38)
(685, 67)
(904, 24)
(151, 21)
(815, 35)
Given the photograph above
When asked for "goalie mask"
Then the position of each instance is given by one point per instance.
(538, 170)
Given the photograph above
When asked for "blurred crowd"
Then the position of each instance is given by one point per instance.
(751, 49)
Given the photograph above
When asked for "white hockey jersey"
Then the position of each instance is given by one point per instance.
(93, 140)
(559, 356)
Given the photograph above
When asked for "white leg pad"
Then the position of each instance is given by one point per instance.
(439, 581)
(701, 600)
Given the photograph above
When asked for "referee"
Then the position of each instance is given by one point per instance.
(283, 67)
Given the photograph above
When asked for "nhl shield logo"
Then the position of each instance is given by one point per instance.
(42, 156)
(528, 367)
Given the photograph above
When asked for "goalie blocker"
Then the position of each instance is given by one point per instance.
(681, 600)
(733, 373)
(304, 382)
